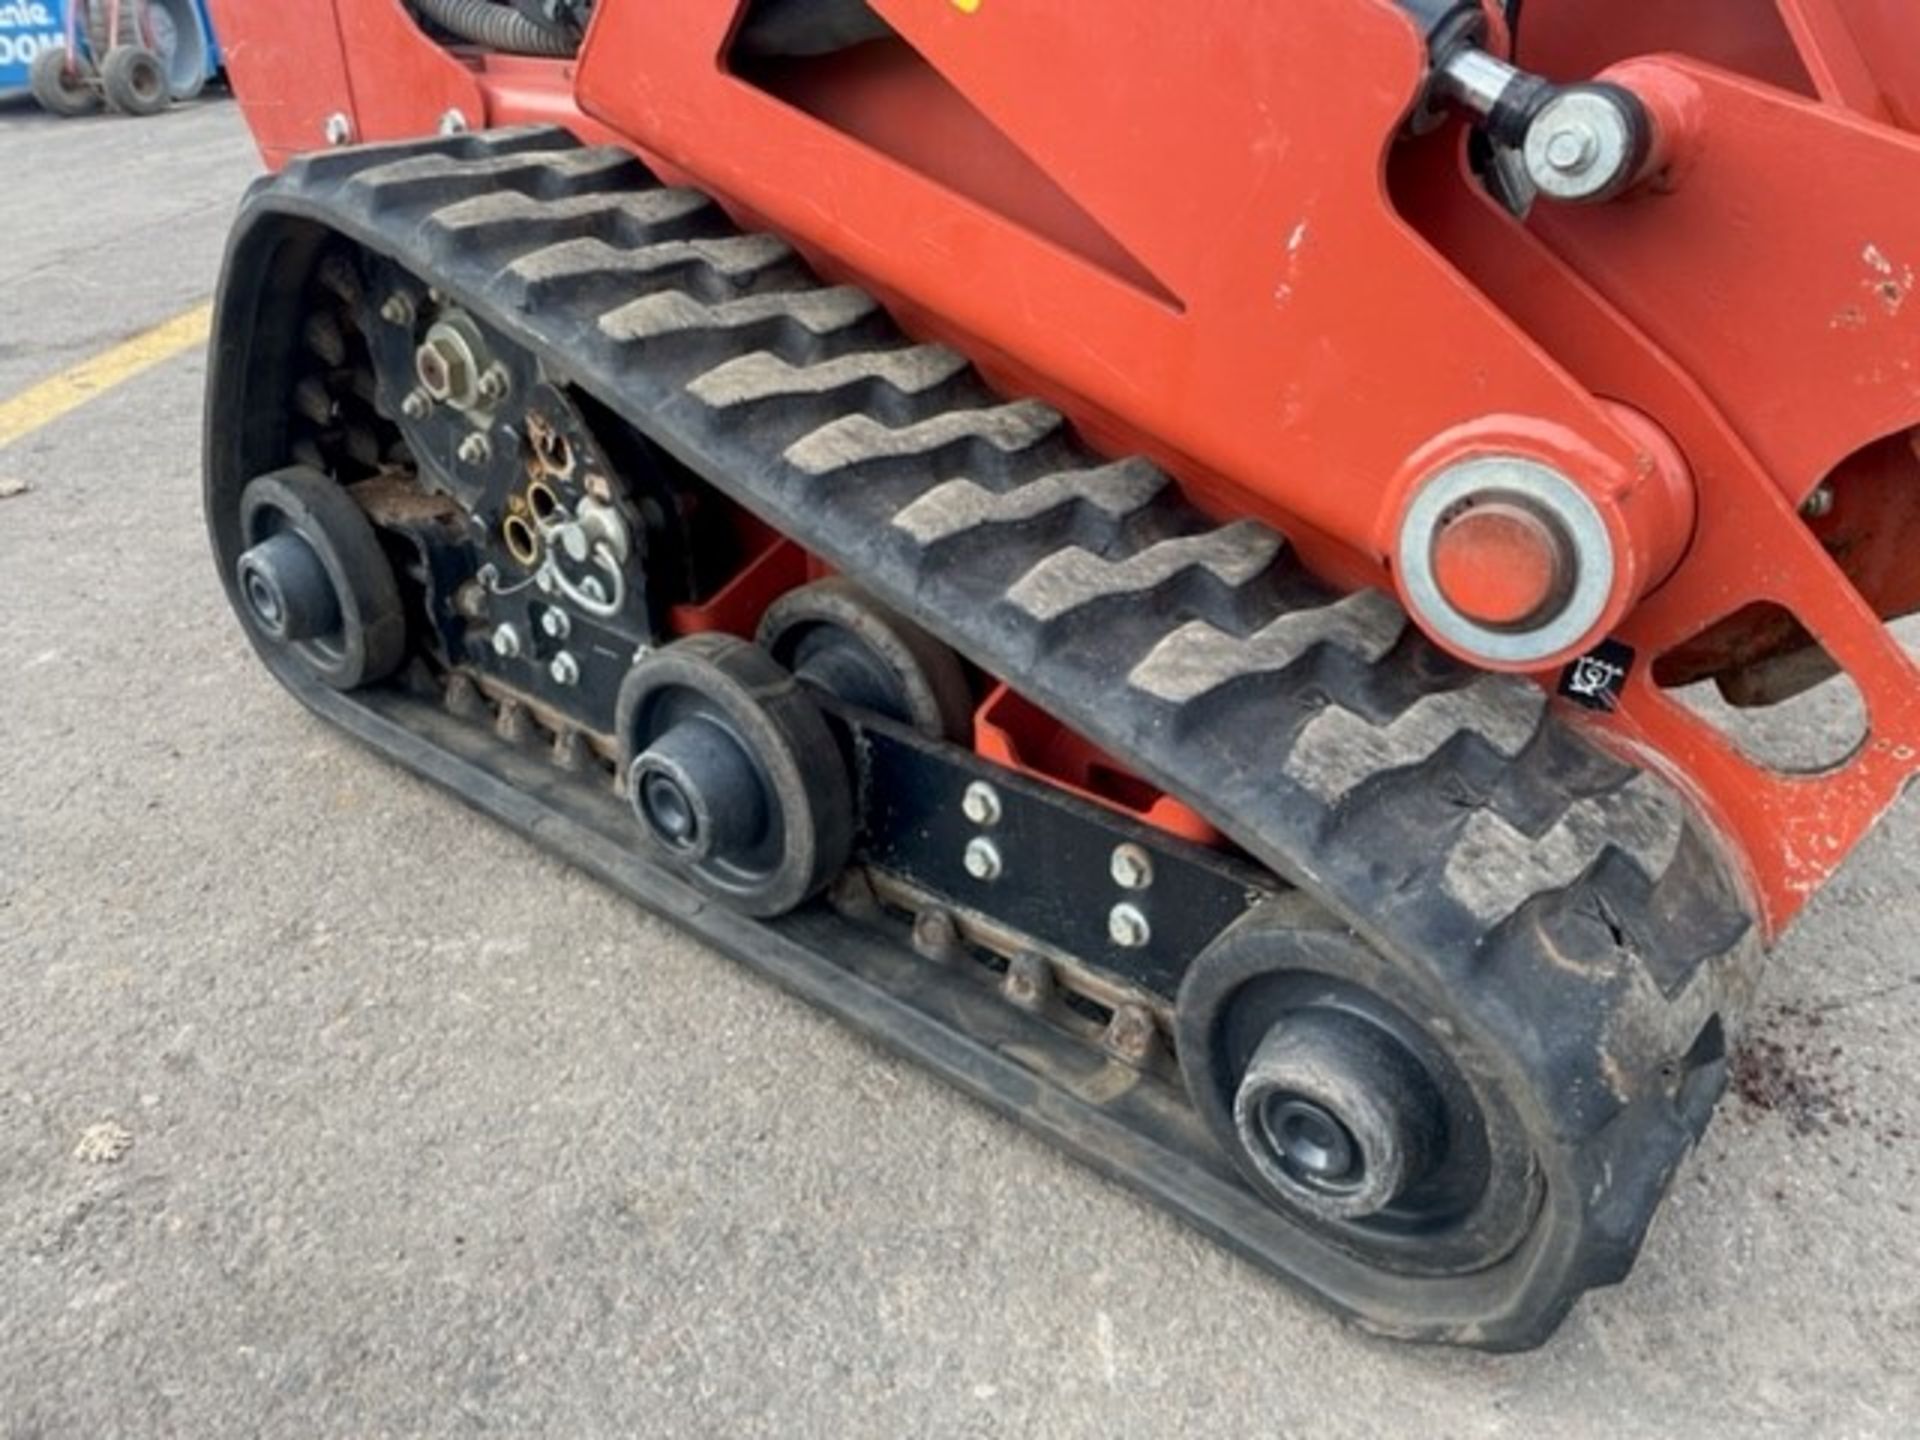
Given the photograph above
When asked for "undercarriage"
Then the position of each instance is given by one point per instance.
(552, 483)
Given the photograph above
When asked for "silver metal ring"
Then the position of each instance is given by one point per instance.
(1559, 498)
(1580, 147)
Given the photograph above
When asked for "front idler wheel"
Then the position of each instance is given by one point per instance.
(733, 776)
(313, 581)
(1353, 1102)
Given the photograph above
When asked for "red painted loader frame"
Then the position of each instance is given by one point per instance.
(1197, 230)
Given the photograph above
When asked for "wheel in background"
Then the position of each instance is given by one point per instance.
(62, 89)
(840, 641)
(738, 786)
(135, 81)
(177, 39)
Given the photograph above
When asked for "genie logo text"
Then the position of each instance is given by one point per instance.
(26, 28)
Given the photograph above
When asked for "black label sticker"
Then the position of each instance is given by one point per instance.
(1596, 679)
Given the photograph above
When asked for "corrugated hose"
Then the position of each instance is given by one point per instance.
(499, 27)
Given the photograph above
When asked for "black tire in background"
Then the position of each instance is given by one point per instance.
(135, 81)
(834, 636)
(60, 90)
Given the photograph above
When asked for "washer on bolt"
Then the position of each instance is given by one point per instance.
(1586, 564)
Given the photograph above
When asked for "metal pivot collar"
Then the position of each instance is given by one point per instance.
(1585, 565)
(1588, 143)
(1578, 144)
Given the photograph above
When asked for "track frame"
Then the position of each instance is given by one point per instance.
(1559, 906)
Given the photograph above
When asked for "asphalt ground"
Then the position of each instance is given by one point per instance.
(329, 1109)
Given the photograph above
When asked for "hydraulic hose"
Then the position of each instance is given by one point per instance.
(498, 27)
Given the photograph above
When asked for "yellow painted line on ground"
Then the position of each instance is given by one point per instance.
(69, 390)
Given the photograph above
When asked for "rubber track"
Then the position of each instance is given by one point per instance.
(1567, 902)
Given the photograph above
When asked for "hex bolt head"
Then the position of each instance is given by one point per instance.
(569, 750)
(851, 893)
(476, 449)
(1132, 867)
(1571, 149)
(470, 600)
(1584, 145)
(981, 804)
(463, 697)
(1029, 981)
(444, 368)
(555, 624)
(453, 122)
(495, 385)
(338, 129)
(1819, 504)
(513, 724)
(935, 934)
(417, 406)
(397, 309)
(1127, 926)
(565, 670)
(1132, 1034)
(983, 860)
(506, 642)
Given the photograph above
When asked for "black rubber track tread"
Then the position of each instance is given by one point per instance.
(1571, 902)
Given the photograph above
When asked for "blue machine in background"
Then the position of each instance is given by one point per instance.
(184, 36)
(26, 28)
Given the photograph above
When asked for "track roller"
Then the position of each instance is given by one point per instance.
(735, 779)
(314, 582)
(837, 639)
(1371, 1112)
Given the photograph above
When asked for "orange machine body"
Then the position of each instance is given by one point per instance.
(1204, 233)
